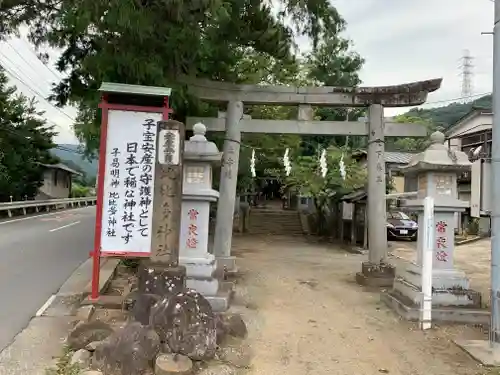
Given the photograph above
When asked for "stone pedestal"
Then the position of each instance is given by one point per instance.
(452, 299)
(377, 275)
(202, 273)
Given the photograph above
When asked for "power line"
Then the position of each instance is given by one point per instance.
(458, 99)
(28, 63)
(37, 93)
(33, 52)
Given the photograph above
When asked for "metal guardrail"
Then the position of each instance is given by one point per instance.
(48, 204)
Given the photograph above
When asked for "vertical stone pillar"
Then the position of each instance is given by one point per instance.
(377, 233)
(162, 275)
(376, 272)
(227, 188)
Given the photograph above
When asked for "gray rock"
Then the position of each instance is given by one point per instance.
(172, 364)
(129, 351)
(93, 346)
(91, 372)
(160, 280)
(140, 305)
(187, 324)
(87, 332)
(230, 324)
(81, 358)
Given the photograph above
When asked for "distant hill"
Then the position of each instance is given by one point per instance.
(71, 156)
(448, 115)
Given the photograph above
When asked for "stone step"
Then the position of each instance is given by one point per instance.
(266, 222)
(281, 233)
(269, 214)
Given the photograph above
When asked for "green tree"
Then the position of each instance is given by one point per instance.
(308, 181)
(152, 42)
(25, 141)
(333, 63)
(411, 144)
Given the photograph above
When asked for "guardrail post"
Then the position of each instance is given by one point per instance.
(9, 212)
(24, 211)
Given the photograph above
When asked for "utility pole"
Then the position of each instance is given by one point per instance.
(495, 181)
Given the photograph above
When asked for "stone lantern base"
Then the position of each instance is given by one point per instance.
(452, 298)
(227, 265)
(203, 276)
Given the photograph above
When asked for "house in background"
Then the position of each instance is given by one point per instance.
(393, 161)
(472, 135)
(57, 179)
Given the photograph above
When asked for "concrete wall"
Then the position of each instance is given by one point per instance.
(56, 184)
(399, 184)
(486, 186)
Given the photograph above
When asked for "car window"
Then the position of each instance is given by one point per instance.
(398, 216)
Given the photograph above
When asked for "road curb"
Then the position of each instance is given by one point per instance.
(33, 349)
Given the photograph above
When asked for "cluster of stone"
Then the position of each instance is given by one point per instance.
(181, 335)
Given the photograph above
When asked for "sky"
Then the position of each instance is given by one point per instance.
(401, 40)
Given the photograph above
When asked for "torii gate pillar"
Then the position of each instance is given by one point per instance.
(227, 188)
(377, 233)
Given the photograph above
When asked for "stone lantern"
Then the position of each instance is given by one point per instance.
(197, 194)
(436, 170)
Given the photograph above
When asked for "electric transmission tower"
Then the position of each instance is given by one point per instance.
(467, 74)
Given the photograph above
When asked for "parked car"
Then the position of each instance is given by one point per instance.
(401, 226)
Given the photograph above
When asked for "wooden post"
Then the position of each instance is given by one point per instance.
(354, 228)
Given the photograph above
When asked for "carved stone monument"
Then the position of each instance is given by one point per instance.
(161, 275)
(436, 170)
(201, 266)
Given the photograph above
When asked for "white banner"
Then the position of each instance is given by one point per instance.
(127, 212)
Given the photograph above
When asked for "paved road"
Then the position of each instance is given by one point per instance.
(37, 254)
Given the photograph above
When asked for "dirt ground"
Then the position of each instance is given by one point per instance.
(306, 315)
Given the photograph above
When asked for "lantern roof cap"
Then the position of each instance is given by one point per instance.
(199, 148)
(438, 157)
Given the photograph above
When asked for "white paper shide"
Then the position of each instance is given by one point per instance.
(127, 212)
(169, 152)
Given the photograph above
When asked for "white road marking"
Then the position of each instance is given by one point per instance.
(46, 305)
(65, 226)
(38, 216)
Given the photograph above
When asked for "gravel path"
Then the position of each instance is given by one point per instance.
(306, 315)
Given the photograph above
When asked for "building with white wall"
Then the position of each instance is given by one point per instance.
(472, 135)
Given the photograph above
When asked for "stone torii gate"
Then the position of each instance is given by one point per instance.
(376, 128)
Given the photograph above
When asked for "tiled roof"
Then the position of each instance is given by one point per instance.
(393, 157)
(398, 157)
(62, 167)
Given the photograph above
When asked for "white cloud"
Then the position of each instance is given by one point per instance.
(401, 40)
(408, 40)
(34, 79)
